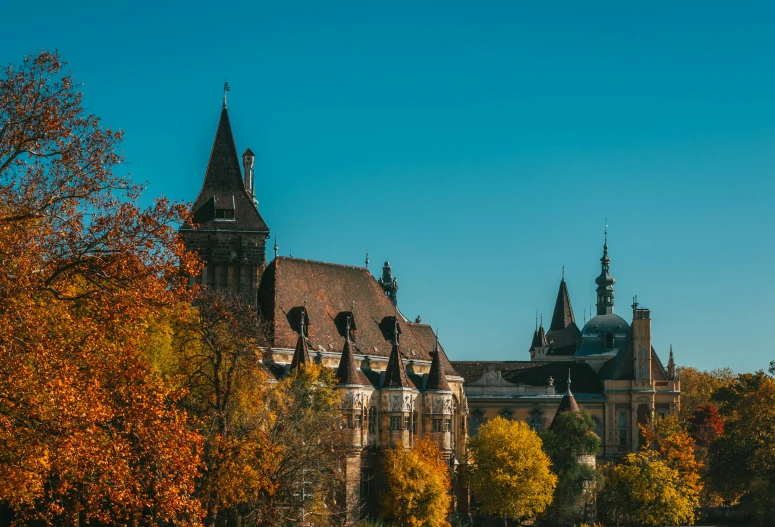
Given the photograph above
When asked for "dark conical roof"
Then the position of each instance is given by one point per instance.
(563, 311)
(395, 373)
(568, 402)
(539, 339)
(437, 380)
(301, 353)
(348, 372)
(223, 187)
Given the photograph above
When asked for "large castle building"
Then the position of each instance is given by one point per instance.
(396, 381)
(617, 375)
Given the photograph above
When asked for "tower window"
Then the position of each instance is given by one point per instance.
(395, 422)
(224, 214)
(609, 341)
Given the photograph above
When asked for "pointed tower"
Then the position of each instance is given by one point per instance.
(438, 405)
(671, 365)
(605, 283)
(398, 397)
(540, 345)
(355, 390)
(227, 230)
(301, 353)
(564, 335)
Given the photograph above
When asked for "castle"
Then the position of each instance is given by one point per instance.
(616, 374)
(396, 381)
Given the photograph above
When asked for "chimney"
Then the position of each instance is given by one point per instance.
(641, 340)
(247, 162)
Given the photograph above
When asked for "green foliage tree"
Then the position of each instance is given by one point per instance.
(571, 435)
(644, 490)
(742, 459)
(510, 472)
(417, 486)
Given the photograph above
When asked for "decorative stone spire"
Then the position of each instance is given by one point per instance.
(301, 353)
(671, 365)
(539, 337)
(605, 283)
(563, 311)
(568, 402)
(437, 379)
(389, 283)
(395, 373)
(348, 373)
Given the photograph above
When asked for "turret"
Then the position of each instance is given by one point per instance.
(398, 418)
(389, 283)
(352, 383)
(438, 403)
(248, 159)
(301, 353)
(641, 341)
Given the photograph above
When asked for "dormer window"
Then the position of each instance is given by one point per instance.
(224, 214)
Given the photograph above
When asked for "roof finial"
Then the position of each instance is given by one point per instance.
(226, 88)
(563, 273)
(542, 320)
(536, 319)
(395, 330)
(275, 247)
(605, 238)
(347, 330)
(367, 258)
(436, 345)
(568, 379)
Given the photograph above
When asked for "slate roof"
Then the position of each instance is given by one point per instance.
(348, 372)
(563, 311)
(395, 373)
(564, 341)
(330, 291)
(536, 373)
(622, 366)
(436, 378)
(223, 188)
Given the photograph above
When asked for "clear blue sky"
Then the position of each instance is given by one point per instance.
(477, 145)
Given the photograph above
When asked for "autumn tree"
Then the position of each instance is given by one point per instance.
(698, 387)
(644, 490)
(417, 486)
(509, 471)
(86, 432)
(742, 459)
(570, 436)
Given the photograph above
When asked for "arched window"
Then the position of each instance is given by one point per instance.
(609, 341)
(475, 420)
(535, 419)
(598, 426)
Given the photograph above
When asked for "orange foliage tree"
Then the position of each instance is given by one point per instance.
(86, 431)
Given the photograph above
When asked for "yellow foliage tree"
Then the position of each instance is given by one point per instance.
(510, 473)
(698, 387)
(645, 490)
(417, 486)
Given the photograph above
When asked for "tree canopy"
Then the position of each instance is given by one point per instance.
(510, 474)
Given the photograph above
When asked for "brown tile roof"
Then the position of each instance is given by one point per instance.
(301, 352)
(329, 291)
(563, 311)
(223, 188)
(568, 403)
(564, 341)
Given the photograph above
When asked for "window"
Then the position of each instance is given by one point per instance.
(506, 414)
(414, 423)
(598, 426)
(358, 421)
(437, 425)
(609, 341)
(373, 420)
(224, 214)
(535, 419)
(475, 421)
(622, 430)
(395, 422)
(349, 421)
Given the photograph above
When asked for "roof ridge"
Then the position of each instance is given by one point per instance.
(320, 262)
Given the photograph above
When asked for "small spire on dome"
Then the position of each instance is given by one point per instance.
(367, 258)
(275, 247)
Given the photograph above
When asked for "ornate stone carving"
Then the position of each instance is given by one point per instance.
(395, 403)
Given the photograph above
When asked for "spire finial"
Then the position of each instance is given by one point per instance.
(436, 345)
(347, 330)
(367, 258)
(536, 319)
(605, 237)
(395, 330)
(226, 88)
(563, 273)
(275, 247)
(542, 320)
(568, 379)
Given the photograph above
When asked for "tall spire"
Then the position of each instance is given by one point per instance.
(437, 379)
(348, 373)
(563, 311)
(395, 373)
(605, 282)
(301, 353)
(671, 365)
